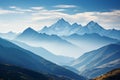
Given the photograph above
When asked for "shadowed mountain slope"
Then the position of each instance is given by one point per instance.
(10, 72)
(14, 55)
(58, 59)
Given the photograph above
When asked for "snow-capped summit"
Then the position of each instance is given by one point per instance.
(75, 27)
(64, 28)
(91, 23)
(61, 21)
(93, 26)
(61, 24)
(61, 27)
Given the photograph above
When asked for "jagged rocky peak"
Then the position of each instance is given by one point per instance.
(60, 24)
(75, 24)
(93, 25)
(62, 21)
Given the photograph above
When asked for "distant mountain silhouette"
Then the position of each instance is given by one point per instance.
(64, 28)
(111, 33)
(10, 35)
(29, 32)
(112, 75)
(49, 42)
(10, 72)
(97, 62)
(93, 27)
(74, 43)
(88, 42)
(29, 35)
(15, 55)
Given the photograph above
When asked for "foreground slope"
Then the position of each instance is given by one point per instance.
(10, 72)
(14, 55)
(112, 75)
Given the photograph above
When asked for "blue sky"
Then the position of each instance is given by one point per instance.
(87, 5)
(16, 15)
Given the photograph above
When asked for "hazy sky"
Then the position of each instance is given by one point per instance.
(16, 15)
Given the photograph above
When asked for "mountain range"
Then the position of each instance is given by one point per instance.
(73, 39)
(89, 42)
(14, 55)
(61, 27)
(52, 43)
(64, 28)
(51, 50)
(75, 43)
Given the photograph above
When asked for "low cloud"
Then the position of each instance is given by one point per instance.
(20, 9)
(65, 6)
(3, 11)
(37, 8)
(106, 19)
(40, 16)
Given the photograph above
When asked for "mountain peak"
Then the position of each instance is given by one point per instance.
(94, 25)
(91, 23)
(27, 34)
(61, 21)
(74, 24)
(29, 30)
